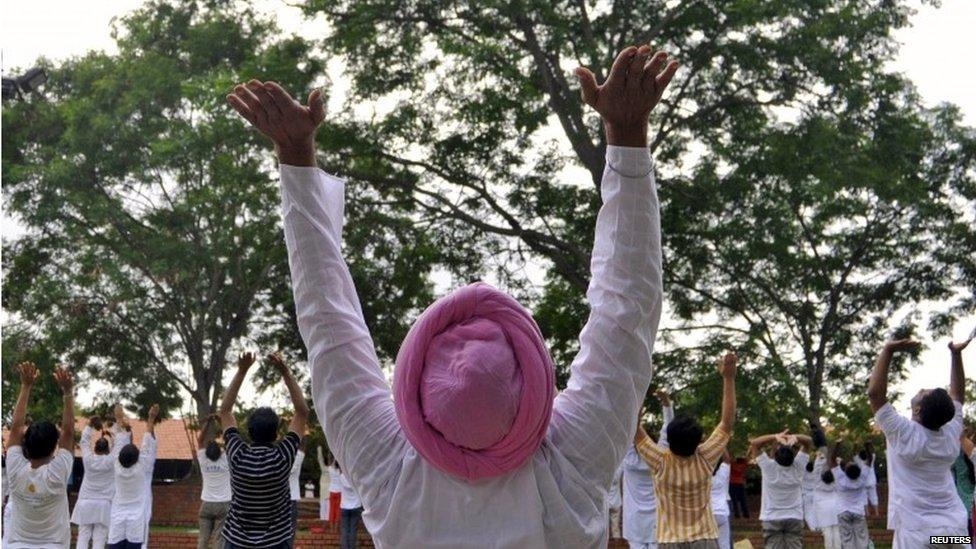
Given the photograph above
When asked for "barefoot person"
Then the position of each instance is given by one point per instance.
(128, 528)
(683, 472)
(475, 423)
(93, 510)
(215, 493)
(920, 452)
(260, 509)
(39, 461)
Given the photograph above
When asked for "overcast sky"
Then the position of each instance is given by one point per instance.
(930, 55)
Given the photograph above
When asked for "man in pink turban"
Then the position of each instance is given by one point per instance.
(475, 449)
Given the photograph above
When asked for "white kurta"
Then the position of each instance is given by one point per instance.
(94, 505)
(133, 490)
(324, 480)
(294, 478)
(38, 501)
(640, 503)
(557, 499)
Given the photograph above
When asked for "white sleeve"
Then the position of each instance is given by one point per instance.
(351, 395)
(121, 438)
(594, 418)
(147, 454)
(85, 443)
(662, 440)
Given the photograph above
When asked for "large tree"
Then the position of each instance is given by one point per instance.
(153, 248)
(807, 193)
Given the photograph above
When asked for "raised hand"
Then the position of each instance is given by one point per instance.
(663, 397)
(153, 413)
(288, 123)
(28, 373)
(636, 83)
(245, 360)
(64, 380)
(278, 362)
(727, 366)
(958, 347)
(902, 345)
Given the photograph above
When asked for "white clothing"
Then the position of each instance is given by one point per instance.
(782, 487)
(720, 491)
(132, 492)
(851, 494)
(557, 498)
(919, 539)
(809, 485)
(97, 534)
(921, 492)
(613, 498)
(724, 530)
(335, 483)
(216, 478)
(642, 545)
(294, 484)
(350, 497)
(94, 505)
(639, 501)
(38, 501)
(324, 482)
(831, 535)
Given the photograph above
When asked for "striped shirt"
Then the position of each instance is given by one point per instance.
(683, 486)
(260, 507)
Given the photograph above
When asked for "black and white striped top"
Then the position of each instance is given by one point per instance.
(260, 508)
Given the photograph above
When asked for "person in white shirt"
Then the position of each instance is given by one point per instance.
(352, 512)
(215, 495)
(720, 501)
(555, 495)
(325, 484)
(93, 509)
(639, 500)
(851, 490)
(133, 482)
(781, 508)
(614, 502)
(922, 500)
(295, 487)
(39, 461)
(865, 460)
(825, 502)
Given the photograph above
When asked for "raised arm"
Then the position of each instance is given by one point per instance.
(757, 444)
(28, 375)
(957, 377)
(349, 389)
(320, 458)
(878, 385)
(227, 420)
(300, 419)
(86, 436)
(667, 413)
(594, 417)
(151, 420)
(805, 441)
(203, 437)
(67, 384)
(727, 369)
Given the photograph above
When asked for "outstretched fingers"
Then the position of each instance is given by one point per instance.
(636, 68)
(618, 73)
(588, 86)
(245, 97)
(316, 106)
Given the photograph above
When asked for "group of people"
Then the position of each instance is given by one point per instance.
(474, 447)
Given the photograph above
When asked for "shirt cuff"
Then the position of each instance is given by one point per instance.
(629, 162)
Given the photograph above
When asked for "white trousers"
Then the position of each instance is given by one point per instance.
(831, 535)
(97, 534)
(724, 531)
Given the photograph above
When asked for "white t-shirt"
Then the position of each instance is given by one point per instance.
(720, 490)
(871, 478)
(824, 497)
(294, 484)
(921, 492)
(335, 484)
(216, 477)
(133, 484)
(851, 494)
(99, 481)
(39, 499)
(782, 487)
(350, 498)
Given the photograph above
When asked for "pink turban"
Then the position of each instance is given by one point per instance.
(474, 384)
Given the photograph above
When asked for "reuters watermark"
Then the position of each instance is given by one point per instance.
(950, 540)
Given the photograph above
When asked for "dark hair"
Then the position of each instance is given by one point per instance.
(809, 466)
(853, 471)
(684, 435)
(96, 423)
(101, 446)
(262, 426)
(128, 455)
(784, 455)
(827, 477)
(40, 440)
(213, 451)
(819, 438)
(936, 409)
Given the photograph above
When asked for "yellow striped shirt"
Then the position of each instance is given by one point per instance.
(683, 486)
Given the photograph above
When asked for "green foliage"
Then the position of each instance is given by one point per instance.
(807, 194)
(19, 345)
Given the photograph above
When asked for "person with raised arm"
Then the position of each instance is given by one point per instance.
(129, 524)
(93, 509)
(920, 452)
(476, 448)
(215, 493)
(260, 507)
(683, 472)
(639, 500)
(330, 488)
(852, 499)
(720, 501)
(781, 508)
(39, 461)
